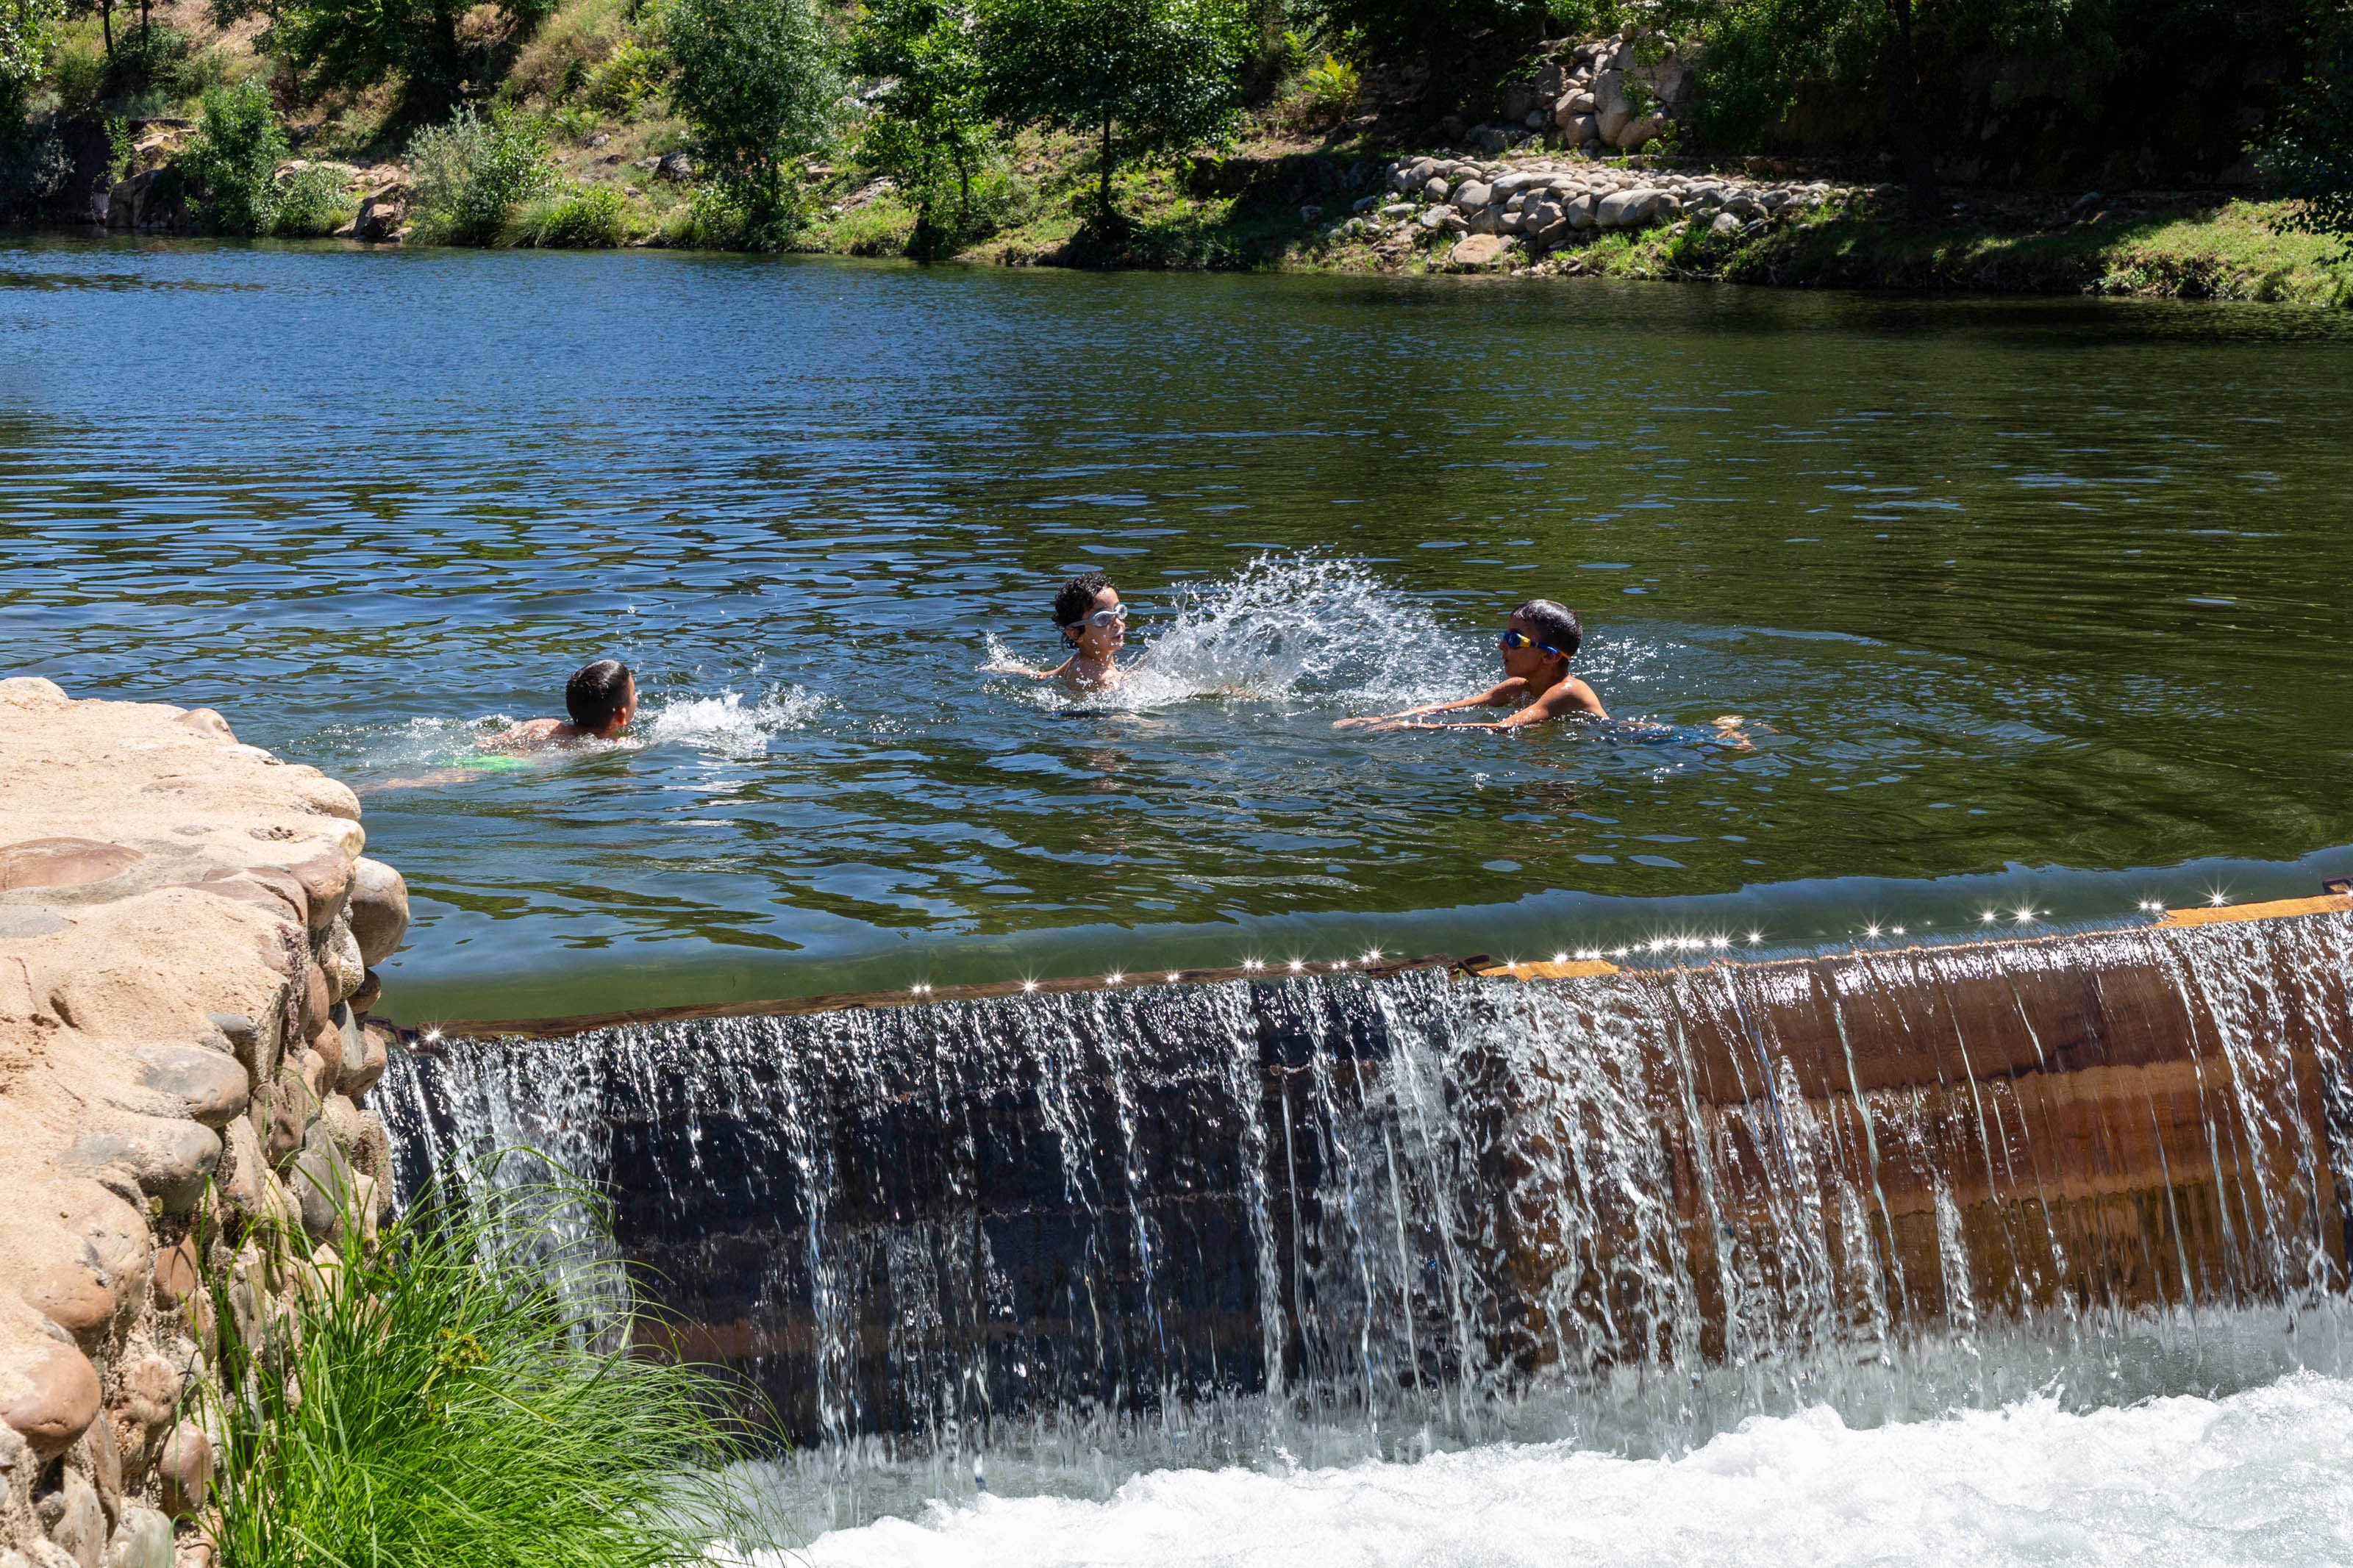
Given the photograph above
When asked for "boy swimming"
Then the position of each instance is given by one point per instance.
(601, 698)
(1094, 628)
(1537, 642)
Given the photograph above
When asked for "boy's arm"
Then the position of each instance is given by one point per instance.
(1504, 691)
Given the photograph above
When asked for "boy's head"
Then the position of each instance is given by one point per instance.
(1092, 620)
(1544, 631)
(601, 697)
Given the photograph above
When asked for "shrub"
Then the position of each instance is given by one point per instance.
(314, 200)
(444, 1399)
(146, 57)
(585, 218)
(472, 174)
(1332, 86)
(756, 80)
(630, 76)
(234, 158)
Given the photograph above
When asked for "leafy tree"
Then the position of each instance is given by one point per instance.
(931, 120)
(1380, 30)
(1142, 74)
(2310, 155)
(234, 158)
(756, 80)
(358, 43)
(28, 33)
(1760, 51)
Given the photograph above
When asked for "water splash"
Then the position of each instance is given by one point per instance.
(1289, 629)
(723, 724)
(2260, 1476)
(1316, 1220)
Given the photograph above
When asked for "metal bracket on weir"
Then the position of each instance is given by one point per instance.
(2338, 899)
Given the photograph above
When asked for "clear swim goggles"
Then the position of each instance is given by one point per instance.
(1102, 618)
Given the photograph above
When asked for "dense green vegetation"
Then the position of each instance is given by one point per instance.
(1079, 128)
(444, 1403)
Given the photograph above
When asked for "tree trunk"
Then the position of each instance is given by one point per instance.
(1904, 127)
(963, 184)
(1106, 174)
(106, 25)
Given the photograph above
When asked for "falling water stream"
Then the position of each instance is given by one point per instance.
(1044, 1244)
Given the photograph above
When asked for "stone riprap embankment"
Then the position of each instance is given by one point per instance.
(1537, 206)
(188, 937)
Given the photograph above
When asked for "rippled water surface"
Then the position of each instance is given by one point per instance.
(2042, 599)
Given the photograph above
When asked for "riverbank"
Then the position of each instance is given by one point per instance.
(188, 940)
(2150, 243)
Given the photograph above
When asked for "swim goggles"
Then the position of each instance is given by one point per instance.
(1102, 619)
(1517, 640)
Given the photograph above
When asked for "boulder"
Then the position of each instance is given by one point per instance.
(209, 1085)
(143, 1540)
(186, 1469)
(674, 166)
(1474, 193)
(340, 957)
(379, 220)
(171, 1160)
(1580, 211)
(1636, 133)
(1479, 250)
(1580, 130)
(62, 863)
(1725, 224)
(50, 1398)
(1575, 105)
(73, 1518)
(152, 1387)
(1434, 189)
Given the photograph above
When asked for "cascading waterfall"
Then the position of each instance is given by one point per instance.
(1073, 1236)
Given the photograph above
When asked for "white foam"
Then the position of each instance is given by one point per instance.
(2264, 1477)
(723, 724)
(1291, 628)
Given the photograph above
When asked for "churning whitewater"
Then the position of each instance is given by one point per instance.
(2263, 1477)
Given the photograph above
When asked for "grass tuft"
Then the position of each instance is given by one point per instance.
(450, 1405)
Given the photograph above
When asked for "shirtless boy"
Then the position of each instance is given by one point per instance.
(1094, 628)
(602, 698)
(1537, 645)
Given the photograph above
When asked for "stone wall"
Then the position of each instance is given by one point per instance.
(186, 935)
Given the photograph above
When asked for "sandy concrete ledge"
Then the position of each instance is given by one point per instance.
(187, 932)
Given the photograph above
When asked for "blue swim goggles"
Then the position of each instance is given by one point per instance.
(1517, 640)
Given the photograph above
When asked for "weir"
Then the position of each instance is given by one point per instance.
(1426, 1204)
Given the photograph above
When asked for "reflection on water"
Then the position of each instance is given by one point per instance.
(1996, 584)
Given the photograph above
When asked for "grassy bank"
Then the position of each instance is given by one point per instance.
(2155, 246)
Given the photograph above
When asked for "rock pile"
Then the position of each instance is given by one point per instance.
(1549, 204)
(187, 942)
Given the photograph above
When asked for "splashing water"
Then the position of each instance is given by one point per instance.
(1072, 1239)
(1293, 630)
(2264, 1476)
(725, 725)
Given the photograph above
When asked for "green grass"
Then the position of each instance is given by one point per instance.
(454, 1411)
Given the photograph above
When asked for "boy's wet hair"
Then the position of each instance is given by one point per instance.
(1556, 623)
(593, 693)
(1074, 598)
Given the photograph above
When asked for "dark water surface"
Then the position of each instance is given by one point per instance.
(2044, 600)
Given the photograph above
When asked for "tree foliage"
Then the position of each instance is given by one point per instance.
(234, 158)
(931, 122)
(1142, 76)
(755, 80)
(28, 34)
(358, 43)
(2310, 155)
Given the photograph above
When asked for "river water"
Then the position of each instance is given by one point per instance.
(2038, 598)
(2031, 611)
